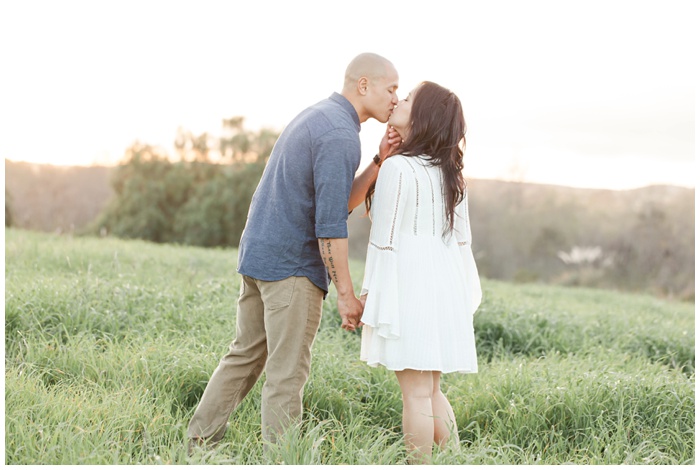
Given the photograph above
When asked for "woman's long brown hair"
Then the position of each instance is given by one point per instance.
(437, 130)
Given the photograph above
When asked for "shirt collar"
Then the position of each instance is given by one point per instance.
(347, 106)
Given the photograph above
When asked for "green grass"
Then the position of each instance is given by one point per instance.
(109, 344)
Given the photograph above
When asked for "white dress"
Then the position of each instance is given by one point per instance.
(423, 288)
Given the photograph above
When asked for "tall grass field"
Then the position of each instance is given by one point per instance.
(109, 345)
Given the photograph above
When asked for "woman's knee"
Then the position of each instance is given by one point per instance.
(415, 384)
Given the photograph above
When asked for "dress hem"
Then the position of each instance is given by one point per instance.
(396, 369)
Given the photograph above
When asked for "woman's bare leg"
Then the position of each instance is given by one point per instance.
(418, 426)
(444, 417)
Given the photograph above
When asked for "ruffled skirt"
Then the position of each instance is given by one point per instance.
(420, 306)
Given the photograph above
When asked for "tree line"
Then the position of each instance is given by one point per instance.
(201, 198)
(638, 240)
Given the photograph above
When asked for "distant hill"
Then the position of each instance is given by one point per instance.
(641, 239)
(56, 198)
(589, 212)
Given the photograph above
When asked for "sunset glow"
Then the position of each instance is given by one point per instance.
(595, 94)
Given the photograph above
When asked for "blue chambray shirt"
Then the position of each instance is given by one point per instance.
(303, 194)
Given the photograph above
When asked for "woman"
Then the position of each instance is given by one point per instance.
(421, 286)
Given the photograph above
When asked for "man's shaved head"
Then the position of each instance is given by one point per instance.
(368, 64)
(370, 86)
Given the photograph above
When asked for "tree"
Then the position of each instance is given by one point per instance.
(216, 213)
(238, 145)
(194, 200)
(190, 147)
(148, 192)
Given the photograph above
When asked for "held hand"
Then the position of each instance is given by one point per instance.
(350, 310)
(390, 143)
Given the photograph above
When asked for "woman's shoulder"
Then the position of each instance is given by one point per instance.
(400, 162)
(410, 165)
(392, 164)
(412, 160)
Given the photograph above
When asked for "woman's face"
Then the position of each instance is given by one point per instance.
(401, 117)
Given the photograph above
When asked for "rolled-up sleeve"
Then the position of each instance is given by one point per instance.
(336, 157)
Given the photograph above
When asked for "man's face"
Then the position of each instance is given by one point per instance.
(381, 95)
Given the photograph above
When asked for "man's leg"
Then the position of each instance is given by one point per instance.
(291, 321)
(237, 371)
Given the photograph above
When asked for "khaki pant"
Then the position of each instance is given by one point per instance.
(276, 325)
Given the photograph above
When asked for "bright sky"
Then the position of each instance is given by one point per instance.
(579, 93)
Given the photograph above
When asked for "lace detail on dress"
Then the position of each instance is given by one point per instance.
(464, 209)
(383, 248)
(415, 218)
(432, 195)
(396, 211)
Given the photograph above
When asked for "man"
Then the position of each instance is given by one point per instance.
(295, 239)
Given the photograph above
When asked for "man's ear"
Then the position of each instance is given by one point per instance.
(362, 84)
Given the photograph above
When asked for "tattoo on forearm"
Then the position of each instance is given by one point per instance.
(327, 257)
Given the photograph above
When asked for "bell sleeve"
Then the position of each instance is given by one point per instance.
(464, 240)
(380, 282)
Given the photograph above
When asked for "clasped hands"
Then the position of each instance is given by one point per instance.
(350, 309)
(349, 306)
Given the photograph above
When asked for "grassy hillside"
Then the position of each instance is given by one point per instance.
(109, 345)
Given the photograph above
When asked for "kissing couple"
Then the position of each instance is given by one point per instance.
(421, 286)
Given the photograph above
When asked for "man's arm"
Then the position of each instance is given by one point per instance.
(364, 180)
(334, 252)
(361, 184)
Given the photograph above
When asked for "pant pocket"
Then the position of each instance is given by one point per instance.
(279, 293)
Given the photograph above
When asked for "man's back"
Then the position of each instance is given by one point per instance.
(303, 194)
